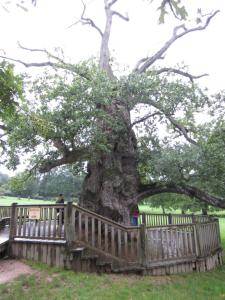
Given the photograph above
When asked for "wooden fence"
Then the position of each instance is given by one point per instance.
(160, 239)
(5, 212)
(171, 219)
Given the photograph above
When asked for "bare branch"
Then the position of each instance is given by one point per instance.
(86, 21)
(58, 64)
(125, 18)
(144, 118)
(27, 65)
(111, 3)
(185, 74)
(176, 35)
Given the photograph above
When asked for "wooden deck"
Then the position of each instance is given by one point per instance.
(75, 238)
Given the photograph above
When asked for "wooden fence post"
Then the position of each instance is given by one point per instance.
(169, 219)
(69, 224)
(218, 231)
(196, 239)
(144, 218)
(12, 228)
(143, 245)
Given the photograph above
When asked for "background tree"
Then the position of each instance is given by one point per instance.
(82, 113)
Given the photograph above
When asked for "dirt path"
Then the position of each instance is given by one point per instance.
(11, 269)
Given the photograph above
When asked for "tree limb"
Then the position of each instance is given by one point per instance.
(182, 129)
(176, 35)
(176, 71)
(27, 65)
(177, 125)
(191, 191)
(67, 158)
(125, 18)
(111, 3)
(87, 21)
(58, 64)
(144, 118)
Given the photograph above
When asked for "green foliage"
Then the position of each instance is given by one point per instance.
(11, 90)
(172, 6)
(48, 185)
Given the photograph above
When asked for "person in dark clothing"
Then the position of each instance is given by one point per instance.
(60, 200)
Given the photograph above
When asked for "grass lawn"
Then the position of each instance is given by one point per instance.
(52, 283)
(6, 201)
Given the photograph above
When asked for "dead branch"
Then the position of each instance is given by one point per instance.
(176, 71)
(59, 63)
(86, 21)
(27, 65)
(111, 3)
(178, 32)
(125, 18)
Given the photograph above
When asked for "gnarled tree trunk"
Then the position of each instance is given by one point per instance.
(112, 182)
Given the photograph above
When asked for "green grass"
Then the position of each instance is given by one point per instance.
(222, 231)
(154, 210)
(6, 201)
(58, 284)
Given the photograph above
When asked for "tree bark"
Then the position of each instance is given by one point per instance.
(111, 185)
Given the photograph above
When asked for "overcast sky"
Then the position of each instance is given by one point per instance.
(46, 26)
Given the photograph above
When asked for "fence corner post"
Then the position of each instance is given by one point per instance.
(12, 227)
(69, 222)
(143, 245)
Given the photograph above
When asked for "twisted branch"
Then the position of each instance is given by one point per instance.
(147, 62)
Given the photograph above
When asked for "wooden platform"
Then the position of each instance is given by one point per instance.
(75, 238)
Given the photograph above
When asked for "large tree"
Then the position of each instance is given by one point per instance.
(82, 113)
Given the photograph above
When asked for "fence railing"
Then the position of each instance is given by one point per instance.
(154, 241)
(49, 224)
(171, 219)
(5, 212)
(108, 236)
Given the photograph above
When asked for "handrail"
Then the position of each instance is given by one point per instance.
(178, 225)
(99, 217)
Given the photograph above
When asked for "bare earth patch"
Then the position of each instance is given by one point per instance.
(10, 269)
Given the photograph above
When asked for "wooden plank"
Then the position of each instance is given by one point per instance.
(49, 221)
(86, 228)
(44, 222)
(132, 244)
(61, 215)
(80, 226)
(119, 242)
(20, 221)
(93, 232)
(125, 244)
(54, 222)
(106, 238)
(112, 241)
(99, 234)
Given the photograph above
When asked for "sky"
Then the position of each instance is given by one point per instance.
(48, 25)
